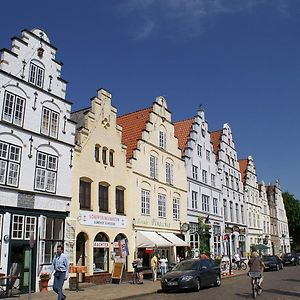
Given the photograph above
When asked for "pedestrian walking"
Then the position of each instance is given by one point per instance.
(163, 262)
(153, 264)
(60, 267)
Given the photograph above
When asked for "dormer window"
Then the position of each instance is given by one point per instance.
(36, 75)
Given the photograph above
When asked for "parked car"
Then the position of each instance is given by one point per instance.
(290, 259)
(272, 262)
(192, 274)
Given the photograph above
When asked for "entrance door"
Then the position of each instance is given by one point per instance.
(80, 253)
(19, 266)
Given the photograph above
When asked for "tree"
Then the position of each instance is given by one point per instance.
(292, 208)
(204, 236)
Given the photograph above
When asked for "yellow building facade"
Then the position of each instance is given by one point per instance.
(100, 213)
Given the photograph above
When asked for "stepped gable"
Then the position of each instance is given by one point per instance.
(243, 168)
(182, 132)
(215, 137)
(133, 125)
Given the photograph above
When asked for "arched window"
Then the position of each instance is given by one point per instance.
(121, 247)
(103, 197)
(101, 253)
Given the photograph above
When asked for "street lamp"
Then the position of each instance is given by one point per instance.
(283, 241)
(228, 230)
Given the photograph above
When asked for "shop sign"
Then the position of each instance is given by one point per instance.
(101, 244)
(153, 222)
(235, 228)
(102, 220)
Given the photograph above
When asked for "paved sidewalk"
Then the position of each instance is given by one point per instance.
(110, 291)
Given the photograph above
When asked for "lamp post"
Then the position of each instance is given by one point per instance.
(283, 242)
(228, 230)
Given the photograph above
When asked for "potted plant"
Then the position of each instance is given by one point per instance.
(44, 277)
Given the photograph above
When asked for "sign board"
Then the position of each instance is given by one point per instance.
(235, 228)
(117, 272)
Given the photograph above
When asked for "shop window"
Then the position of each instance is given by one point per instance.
(103, 198)
(119, 201)
(101, 253)
(85, 194)
(121, 248)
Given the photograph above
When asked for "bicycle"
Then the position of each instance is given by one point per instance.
(256, 288)
(242, 265)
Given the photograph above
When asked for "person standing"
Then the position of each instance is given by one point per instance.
(237, 260)
(139, 268)
(60, 267)
(163, 265)
(153, 264)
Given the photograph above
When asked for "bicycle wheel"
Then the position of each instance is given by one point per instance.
(243, 266)
(259, 290)
(254, 288)
(254, 293)
(234, 266)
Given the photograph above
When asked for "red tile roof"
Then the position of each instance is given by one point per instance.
(182, 132)
(215, 137)
(133, 124)
(243, 168)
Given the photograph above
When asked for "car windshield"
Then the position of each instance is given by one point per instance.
(287, 255)
(186, 265)
(269, 258)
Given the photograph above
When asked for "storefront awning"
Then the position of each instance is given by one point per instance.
(174, 239)
(150, 239)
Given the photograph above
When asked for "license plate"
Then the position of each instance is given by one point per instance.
(173, 283)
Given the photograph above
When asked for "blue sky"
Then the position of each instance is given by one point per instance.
(240, 59)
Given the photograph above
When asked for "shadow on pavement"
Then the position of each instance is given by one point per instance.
(245, 295)
(282, 292)
(291, 279)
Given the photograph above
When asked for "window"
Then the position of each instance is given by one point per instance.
(111, 158)
(19, 231)
(195, 172)
(237, 216)
(119, 201)
(1, 219)
(17, 227)
(231, 210)
(101, 253)
(97, 153)
(213, 179)
(176, 211)
(215, 206)
(226, 179)
(153, 166)
(250, 219)
(103, 198)
(194, 237)
(194, 200)
(145, 202)
(237, 184)
(104, 155)
(207, 155)
(36, 75)
(13, 109)
(225, 209)
(199, 150)
(85, 194)
(217, 240)
(204, 176)
(46, 172)
(10, 160)
(169, 173)
(51, 237)
(162, 140)
(232, 183)
(50, 121)
(30, 226)
(161, 206)
(205, 203)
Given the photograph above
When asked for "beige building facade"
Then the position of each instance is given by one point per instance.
(100, 210)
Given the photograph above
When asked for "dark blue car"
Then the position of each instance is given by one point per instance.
(192, 274)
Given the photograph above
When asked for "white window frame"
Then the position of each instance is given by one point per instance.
(205, 203)
(215, 206)
(145, 202)
(153, 166)
(36, 75)
(10, 164)
(161, 206)
(231, 210)
(194, 200)
(213, 179)
(49, 122)
(199, 150)
(237, 215)
(204, 176)
(207, 155)
(13, 109)
(30, 227)
(20, 227)
(176, 208)
(195, 172)
(225, 209)
(162, 140)
(169, 173)
(46, 172)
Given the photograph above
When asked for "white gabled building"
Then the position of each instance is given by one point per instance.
(204, 183)
(234, 206)
(36, 146)
(253, 202)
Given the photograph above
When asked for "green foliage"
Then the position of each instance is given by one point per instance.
(292, 208)
(203, 231)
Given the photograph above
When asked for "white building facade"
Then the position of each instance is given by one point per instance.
(204, 183)
(36, 148)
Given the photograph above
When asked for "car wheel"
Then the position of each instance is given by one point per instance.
(218, 281)
(198, 285)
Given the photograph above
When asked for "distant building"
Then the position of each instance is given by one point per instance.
(204, 182)
(36, 156)
(234, 205)
(158, 195)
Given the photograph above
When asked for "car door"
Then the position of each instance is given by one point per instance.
(205, 272)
